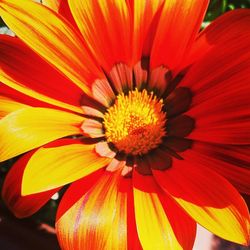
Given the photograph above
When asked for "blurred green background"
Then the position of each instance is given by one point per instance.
(47, 213)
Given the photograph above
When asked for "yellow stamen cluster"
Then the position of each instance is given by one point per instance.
(135, 123)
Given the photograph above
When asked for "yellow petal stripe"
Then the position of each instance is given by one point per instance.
(105, 26)
(153, 226)
(52, 38)
(29, 128)
(50, 168)
(144, 13)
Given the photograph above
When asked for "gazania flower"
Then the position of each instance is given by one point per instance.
(145, 115)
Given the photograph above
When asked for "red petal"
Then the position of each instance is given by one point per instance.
(64, 10)
(232, 162)
(219, 82)
(230, 26)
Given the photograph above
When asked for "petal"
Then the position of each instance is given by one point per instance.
(92, 128)
(53, 167)
(8, 105)
(98, 220)
(29, 128)
(24, 206)
(102, 92)
(208, 198)
(232, 162)
(179, 24)
(26, 74)
(161, 224)
(53, 4)
(52, 38)
(105, 26)
(230, 26)
(219, 82)
(145, 19)
(21, 98)
(103, 149)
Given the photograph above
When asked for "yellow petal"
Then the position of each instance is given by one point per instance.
(53, 4)
(29, 128)
(8, 105)
(53, 38)
(50, 168)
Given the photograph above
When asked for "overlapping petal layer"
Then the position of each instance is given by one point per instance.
(9, 105)
(105, 210)
(208, 198)
(53, 167)
(23, 206)
(52, 38)
(29, 128)
(31, 75)
(98, 219)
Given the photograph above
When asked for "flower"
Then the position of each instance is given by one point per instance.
(147, 116)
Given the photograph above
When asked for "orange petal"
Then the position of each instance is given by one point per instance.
(8, 105)
(53, 167)
(230, 26)
(98, 220)
(105, 26)
(26, 74)
(179, 24)
(29, 128)
(208, 198)
(161, 224)
(145, 19)
(53, 38)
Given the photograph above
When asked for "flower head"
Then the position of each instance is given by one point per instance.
(146, 116)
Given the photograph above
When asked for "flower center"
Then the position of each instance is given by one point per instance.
(136, 123)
